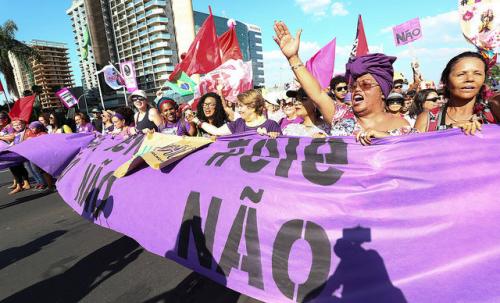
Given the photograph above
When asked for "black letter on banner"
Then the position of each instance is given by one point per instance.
(69, 167)
(338, 155)
(321, 258)
(191, 221)
(241, 143)
(291, 155)
(316, 236)
(230, 256)
(104, 200)
(90, 189)
(248, 165)
(252, 263)
(287, 235)
(86, 176)
(137, 144)
(120, 146)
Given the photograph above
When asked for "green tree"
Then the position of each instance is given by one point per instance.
(24, 53)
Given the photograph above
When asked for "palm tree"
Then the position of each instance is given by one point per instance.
(24, 53)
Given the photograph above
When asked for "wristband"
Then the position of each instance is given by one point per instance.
(297, 66)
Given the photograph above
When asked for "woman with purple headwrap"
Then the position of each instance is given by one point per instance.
(371, 80)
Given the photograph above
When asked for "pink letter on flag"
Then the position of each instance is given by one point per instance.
(322, 63)
(407, 32)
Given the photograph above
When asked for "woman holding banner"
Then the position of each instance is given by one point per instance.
(312, 125)
(463, 79)
(371, 80)
(57, 123)
(251, 109)
(210, 109)
(147, 119)
(173, 122)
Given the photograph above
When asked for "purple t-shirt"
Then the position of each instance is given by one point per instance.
(239, 126)
(87, 128)
(285, 121)
(178, 128)
(6, 130)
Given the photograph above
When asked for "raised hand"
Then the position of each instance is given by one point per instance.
(289, 46)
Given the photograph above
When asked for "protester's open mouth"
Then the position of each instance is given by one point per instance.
(357, 99)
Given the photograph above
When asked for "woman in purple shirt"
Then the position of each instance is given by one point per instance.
(172, 122)
(83, 124)
(251, 109)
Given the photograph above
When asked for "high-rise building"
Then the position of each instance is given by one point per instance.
(144, 33)
(255, 48)
(249, 39)
(52, 71)
(24, 80)
(85, 54)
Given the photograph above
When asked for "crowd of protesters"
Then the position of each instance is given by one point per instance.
(369, 101)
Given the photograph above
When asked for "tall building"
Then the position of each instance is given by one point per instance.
(85, 54)
(144, 33)
(256, 55)
(52, 71)
(24, 80)
(249, 39)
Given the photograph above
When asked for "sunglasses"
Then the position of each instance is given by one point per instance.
(137, 99)
(363, 85)
(433, 99)
(341, 88)
(400, 102)
(287, 104)
(398, 86)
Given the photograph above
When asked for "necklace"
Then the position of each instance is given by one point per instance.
(455, 121)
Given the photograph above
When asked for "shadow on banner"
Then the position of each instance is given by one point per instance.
(361, 273)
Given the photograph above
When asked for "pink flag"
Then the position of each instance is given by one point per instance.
(407, 32)
(322, 63)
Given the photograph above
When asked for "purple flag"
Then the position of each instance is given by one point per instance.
(407, 32)
(321, 65)
(294, 219)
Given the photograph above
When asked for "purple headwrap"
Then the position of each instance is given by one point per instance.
(37, 125)
(119, 116)
(378, 65)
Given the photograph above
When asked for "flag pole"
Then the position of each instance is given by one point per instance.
(6, 100)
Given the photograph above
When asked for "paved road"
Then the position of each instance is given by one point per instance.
(48, 253)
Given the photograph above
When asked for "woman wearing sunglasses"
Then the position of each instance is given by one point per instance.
(251, 109)
(147, 119)
(312, 124)
(288, 108)
(424, 101)
(371, 78)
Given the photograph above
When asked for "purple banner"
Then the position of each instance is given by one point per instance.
(409, 218)
(52, 153)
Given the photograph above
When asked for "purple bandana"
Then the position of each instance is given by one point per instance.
(378, 65)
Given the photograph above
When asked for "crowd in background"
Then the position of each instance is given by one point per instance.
(369, 101)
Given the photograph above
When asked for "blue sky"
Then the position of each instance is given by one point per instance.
(321, 21)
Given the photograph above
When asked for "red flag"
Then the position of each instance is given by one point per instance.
(360, 45)
(229, 45)
(204, 54)
(22, 108)
(1, 88)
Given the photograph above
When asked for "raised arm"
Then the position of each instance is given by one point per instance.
(229, 111)
(290, 48)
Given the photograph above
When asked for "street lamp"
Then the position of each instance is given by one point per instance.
(84, 98)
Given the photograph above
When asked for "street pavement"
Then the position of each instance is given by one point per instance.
(48, 253)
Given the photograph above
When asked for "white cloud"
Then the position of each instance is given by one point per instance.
(338, 9)
(315, 7)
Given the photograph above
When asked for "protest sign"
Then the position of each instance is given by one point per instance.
(112, 78)
(299, 219)
(66, 97)
(407, 32)
(127, 70)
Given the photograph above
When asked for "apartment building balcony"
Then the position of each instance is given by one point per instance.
(161, 61)
(155, 3)
(161, 36)
(156, 11)
(160, 20)
(165, 52)
(157, 28)
(159, 45)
